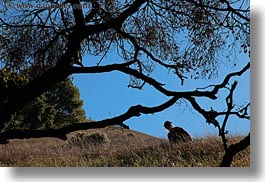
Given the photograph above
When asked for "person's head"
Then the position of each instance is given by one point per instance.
(168, 125)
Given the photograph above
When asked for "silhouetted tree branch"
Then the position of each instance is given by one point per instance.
(61, 133)
(233, 149)
(210, 116)
(230, 106)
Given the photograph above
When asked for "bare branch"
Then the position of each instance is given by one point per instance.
(229, 8)
(157, 85)
(208, 115)
(99, 69)
(228, 77)
(61, 133)
(149, 54)
(229, 102)
(27, 25)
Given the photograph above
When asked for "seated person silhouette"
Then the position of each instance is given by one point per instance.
(176, 134)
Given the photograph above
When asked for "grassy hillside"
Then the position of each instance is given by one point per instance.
(121, 148)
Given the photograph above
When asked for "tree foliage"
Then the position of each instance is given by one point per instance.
(189, 39)
(65, 98)
(57, 107)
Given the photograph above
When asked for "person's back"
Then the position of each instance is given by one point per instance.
(176, 134)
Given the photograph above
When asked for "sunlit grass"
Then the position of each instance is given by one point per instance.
(126, 149)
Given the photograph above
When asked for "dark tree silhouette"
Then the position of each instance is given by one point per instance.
(187, 38)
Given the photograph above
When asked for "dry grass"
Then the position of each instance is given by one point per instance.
(126, 149)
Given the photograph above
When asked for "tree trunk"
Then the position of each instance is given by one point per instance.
(233, 150)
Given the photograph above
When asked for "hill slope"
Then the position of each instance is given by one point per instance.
(124, 148)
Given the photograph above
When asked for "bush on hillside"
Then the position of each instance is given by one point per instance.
(94, 138)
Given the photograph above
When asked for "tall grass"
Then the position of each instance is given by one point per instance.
(126, 151)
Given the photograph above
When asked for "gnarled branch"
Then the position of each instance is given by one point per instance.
(62, 132)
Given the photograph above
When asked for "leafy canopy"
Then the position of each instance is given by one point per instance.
(188, 37)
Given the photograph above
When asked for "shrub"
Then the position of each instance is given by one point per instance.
(95, 138)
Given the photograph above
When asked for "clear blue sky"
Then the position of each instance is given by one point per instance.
(106, 95)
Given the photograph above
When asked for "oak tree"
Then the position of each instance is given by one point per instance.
(186, 38)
